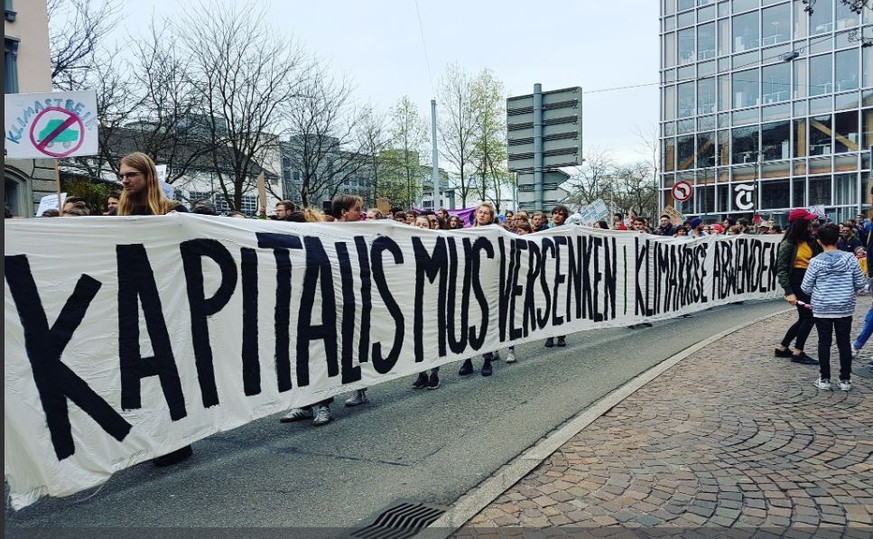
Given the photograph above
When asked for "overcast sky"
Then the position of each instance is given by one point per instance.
(559, 43)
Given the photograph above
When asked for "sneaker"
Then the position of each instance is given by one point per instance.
(822, 384)
(173, 457)
(296, 414)
(421, 381)
(782, 353)
(495, 356)
(855, 352)
(486, 368)
(803, 359)
(845, 385)
(550, 342)
(510, 357)
(360, 397)
(466, 368)
(322, 415)
(561, 342)
(434, 381)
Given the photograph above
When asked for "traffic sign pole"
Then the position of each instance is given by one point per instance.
(538, 144)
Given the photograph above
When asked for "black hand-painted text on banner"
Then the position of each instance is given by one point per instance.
(160, 342)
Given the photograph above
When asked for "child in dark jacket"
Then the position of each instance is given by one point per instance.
(832, 280)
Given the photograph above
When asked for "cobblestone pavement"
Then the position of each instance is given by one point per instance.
(730, 437)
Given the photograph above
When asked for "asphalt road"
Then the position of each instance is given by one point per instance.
(415, 445)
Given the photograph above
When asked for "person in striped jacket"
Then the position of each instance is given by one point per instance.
(832, 280)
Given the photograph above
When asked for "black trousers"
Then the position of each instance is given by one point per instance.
(842, 327)
(801, 328)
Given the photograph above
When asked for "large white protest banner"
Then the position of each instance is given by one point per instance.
(129, 337)
(50, 125)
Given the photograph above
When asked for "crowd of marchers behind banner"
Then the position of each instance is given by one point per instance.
(811, 252)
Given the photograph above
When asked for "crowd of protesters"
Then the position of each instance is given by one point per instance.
(810, 254)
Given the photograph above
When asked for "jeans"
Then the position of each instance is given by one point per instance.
(866, 331)
(826, 327)
(804, 324)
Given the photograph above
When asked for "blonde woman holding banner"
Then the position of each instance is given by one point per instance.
(142, 194)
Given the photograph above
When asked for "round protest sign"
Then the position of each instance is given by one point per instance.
(57, 132)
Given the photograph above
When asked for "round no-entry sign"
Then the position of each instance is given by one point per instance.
(682, 191)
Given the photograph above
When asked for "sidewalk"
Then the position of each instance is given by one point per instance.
(728, 437)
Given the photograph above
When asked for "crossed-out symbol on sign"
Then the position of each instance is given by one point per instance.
(682, 191)
(41, 140)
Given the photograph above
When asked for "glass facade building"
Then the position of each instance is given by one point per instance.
(763, 98)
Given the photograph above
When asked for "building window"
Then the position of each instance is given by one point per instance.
(220, 203)
(706, 41)
(798, 192)
(820, 135)
(686, 100)
(776, 24)
(820, 78)
(198, 196)
(706, 96)
(249, 204)
(776, 194)
(745, 86)
(686, 46)
(845, 190)
(669, 59)
(821, 19)
(10, 57)
(775, 141)
(720, 197)
(846, 70)
(9, 11)
(705, 150)
(670, 103)
(745, 32)
(669, 162)
(685, 152)
(846, 18)
(820, 191)
(745, 145)
(776, 81)
(867, 128)
(846, 131)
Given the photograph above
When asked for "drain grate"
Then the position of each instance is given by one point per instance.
(400, 521)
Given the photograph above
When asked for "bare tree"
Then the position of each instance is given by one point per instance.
(116, 102)
(76, 29)
(593, 180)
(633, 190)
(246, 75)
(489, 105)
(373, 140)
(80, 60)
(402, 161)
(457, 127)
(165, 125)
(325, 146)
(651, 148)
